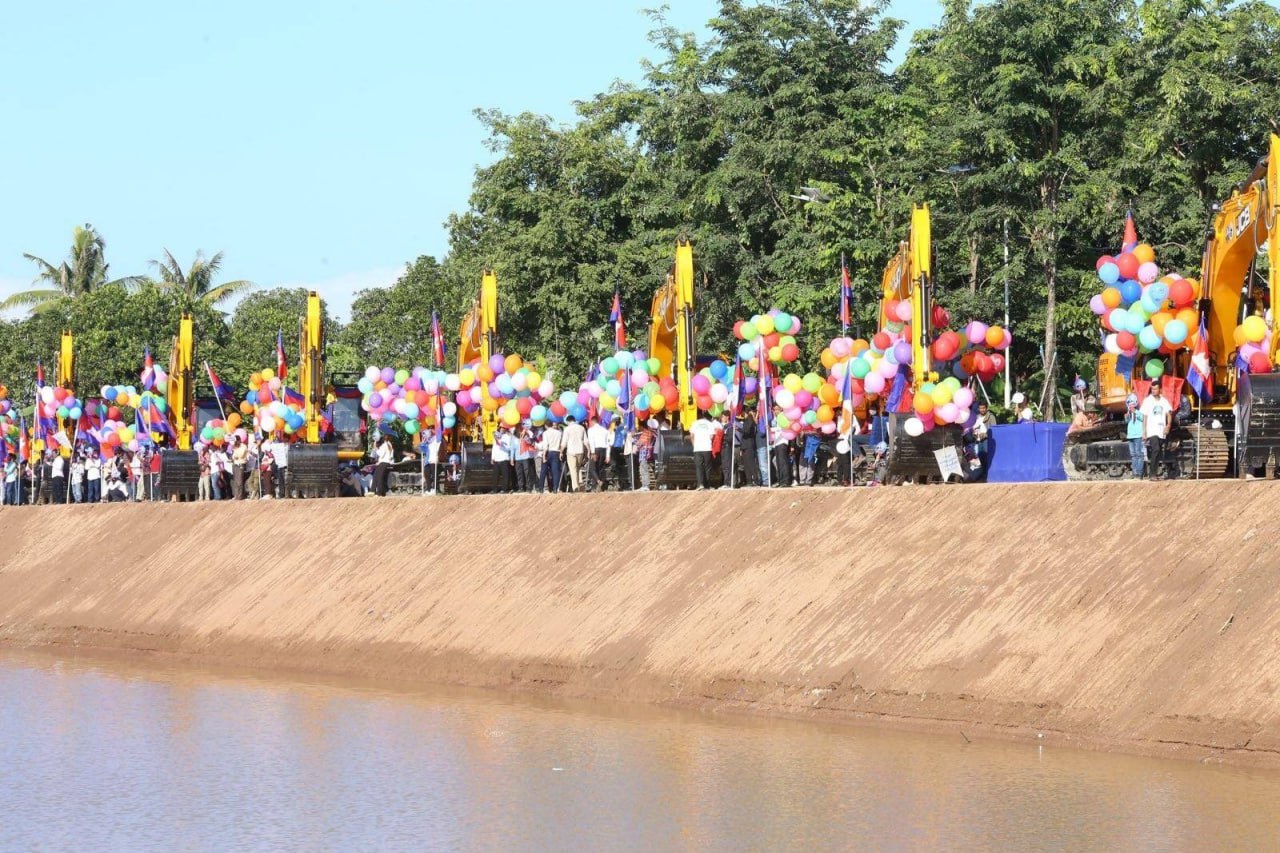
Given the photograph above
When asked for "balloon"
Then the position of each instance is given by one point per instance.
(1130, 292)
(1148, 340)
(995, 337)
(1259, 363)
(719, 369)
(1154, 368)
(913, 427)
(1144, 253)
(790, 352)
(1128, 265)
(875, 383)
(1148, 272)
(1255, 329)
(1181, 294)
(1109, 273)
(1175, 332)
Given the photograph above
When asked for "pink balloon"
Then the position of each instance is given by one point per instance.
(874, 383)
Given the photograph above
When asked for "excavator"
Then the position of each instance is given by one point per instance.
(474, 432)
(67, 380)
(1244, 408)
(180, 464)
(909, 275)
(672, 336)
(333, 428)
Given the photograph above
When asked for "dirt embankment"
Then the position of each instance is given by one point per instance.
(1143, 617)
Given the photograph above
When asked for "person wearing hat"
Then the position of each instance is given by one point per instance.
(1022, 409)
(1133, 433)
(1083, 402)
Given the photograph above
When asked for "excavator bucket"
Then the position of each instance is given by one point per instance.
(313, 470)
(478, 476)
(179, 474)
(913, 459)
(1258, 424)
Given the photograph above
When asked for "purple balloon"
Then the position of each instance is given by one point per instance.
(388, 375)
(902, 352)
(497, 362)
(375, 400)
(749, 386)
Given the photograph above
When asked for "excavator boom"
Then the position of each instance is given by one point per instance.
(67, 380)
(180, 391)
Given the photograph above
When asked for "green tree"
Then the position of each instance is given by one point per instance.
(84, 270)
(251, 341)
(392, 325)
(196, 283)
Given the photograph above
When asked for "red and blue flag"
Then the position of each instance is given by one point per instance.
(619, 326)
(1200, 372)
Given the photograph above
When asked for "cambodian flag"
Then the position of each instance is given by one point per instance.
(1200, 373)
(846, 294)
(437, 340)
(293, 398)
(619, 327)
(221, 389)
(148, 370)
(282, 366)
(1130, 234)
(739, 379)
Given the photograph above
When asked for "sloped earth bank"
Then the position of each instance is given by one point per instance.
(1142, 617)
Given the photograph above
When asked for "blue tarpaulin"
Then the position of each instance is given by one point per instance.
(1027, 453)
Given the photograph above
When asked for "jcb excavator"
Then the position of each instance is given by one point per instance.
(473, 435)
(67, 380)
(672, 337)
(1248, 410)
(909, 275)
(313, 461)
(180, 464)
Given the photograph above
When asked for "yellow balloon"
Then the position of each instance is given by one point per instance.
(534, 379)
(267, 374)
(792, 382)
(608, 403)
(467, 377)
(510, 415)
(1255, 329)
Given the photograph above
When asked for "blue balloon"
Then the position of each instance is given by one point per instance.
(719, 369)
(109, 392)
(1120, 319)
(449, 422)
(1136, 323)
(1109, 273)
(746, 351)
(1130, 292)
(1175, 332)
(1148, 340)
(579, 412)
(568, 399)
(1159, 291)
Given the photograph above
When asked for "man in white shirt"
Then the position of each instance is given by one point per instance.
(575, 447)
(550, 444)
(1157, 418)
(598, 439)
(703, 433)
(93, 478)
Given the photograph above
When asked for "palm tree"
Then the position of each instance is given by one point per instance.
(84, 270)
(196, 283)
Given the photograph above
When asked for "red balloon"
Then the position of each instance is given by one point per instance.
(946, 346)
(60, 394)
(790, 352)
(881, 341)
(422, 398)
(1105, 259)
(1126, 340)
(558, 410)
(704, 401)
(672, 396)
(737, 330)
(113, 414)
(941, 317)
(997, 362)
(1181, 293)
(1105, 320)
(771, 340)
(524, 405)
(1259, 363)
(1128, 264)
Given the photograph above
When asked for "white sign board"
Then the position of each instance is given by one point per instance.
(949, 463)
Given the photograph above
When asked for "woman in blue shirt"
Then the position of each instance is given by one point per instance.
(1133, 432)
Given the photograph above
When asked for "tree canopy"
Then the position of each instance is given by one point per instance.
(1030, 128)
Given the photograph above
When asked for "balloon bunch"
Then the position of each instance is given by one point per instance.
(114, 434)
(515, 390)
(1253, 340)
(408, 398)
(713, 386)
(273, 407)
(772, 334)
(59, 403)
(217, 431)
(1142, 311)
(624, 381)
(123, 395)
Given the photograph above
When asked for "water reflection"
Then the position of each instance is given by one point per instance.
(101, 756)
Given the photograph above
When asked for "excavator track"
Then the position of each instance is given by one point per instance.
(1101, 452)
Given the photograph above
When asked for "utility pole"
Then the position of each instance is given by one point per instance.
(1008, 353)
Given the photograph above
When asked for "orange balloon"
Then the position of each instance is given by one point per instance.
(246, 408)
(1159, 320)
(1189, 316)
(514, 363)
(1238, 337)
(860, 346)
(485, 372)
(826, 414)
(1144, 253)
(829, 395)
(1111, 297)
(490, 404)
(995, 336)
(828, 358)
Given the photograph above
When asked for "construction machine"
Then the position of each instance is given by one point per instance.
(1244, 409)
(909, 275)
(67, 380)
(333, 428)
(188, 414)
(672, 341)
(473, 435)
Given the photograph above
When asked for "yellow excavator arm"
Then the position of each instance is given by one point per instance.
(909, 275)
(311, 379)
(672, 332)
(67, 380)
(1241, 228)
(479, 341)
(180, 390)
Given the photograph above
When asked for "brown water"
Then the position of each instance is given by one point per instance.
(100, 756)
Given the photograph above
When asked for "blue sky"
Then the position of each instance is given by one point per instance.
(319, 144)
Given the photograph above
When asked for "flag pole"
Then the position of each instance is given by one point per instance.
(216, 396)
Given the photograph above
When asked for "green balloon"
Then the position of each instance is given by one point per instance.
(749, 331)
(1154, 368)
(782, 322)
(609, 366)
(653, 365)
